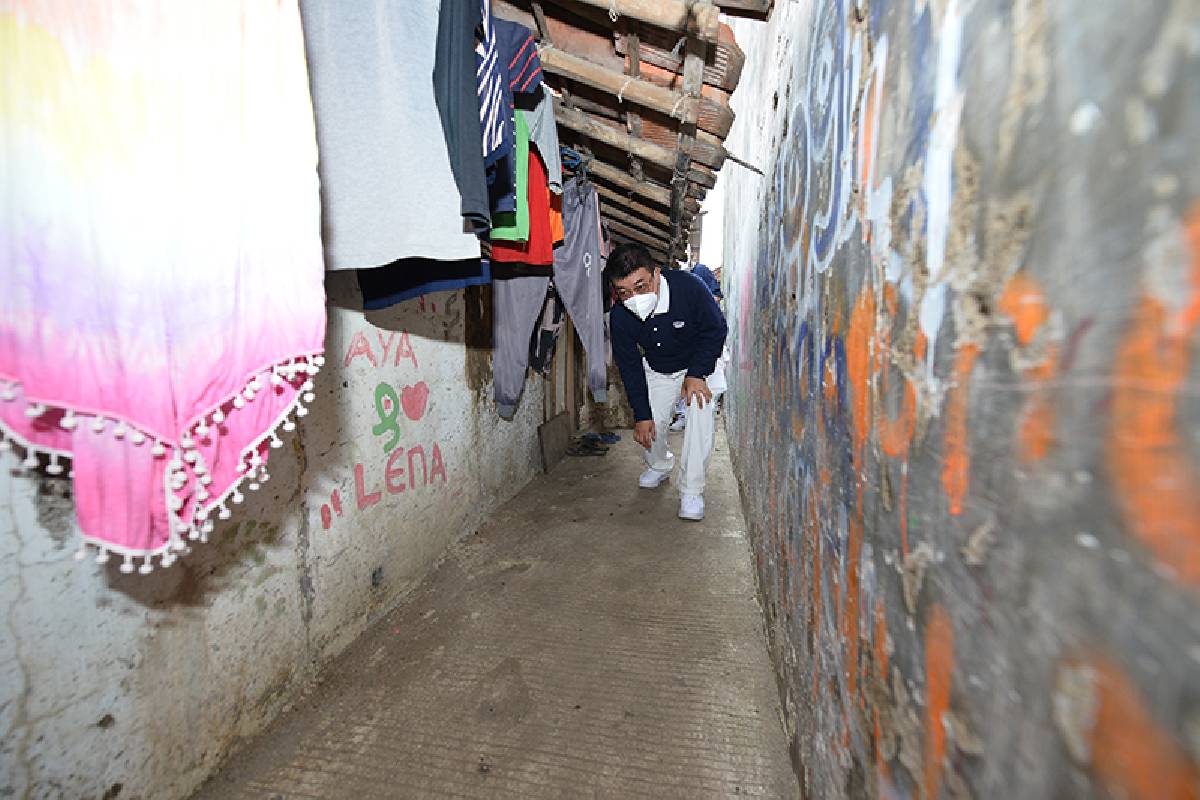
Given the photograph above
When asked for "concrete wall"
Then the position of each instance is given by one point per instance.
(118, 685)
(966, 409)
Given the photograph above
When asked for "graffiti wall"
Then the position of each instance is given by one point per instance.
(117, 685)
(966, 406)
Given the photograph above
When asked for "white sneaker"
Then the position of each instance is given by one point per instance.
(691, 506)
(679, 424)
(651, 478)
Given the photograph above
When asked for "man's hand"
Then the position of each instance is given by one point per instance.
(696, 388)
(643, 433)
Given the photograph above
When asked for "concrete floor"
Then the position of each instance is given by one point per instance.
(584, 643)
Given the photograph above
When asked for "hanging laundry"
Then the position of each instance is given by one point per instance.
(458, 105)
(384, 287)
(515, 306)
(513, 226)
(557, 232)
(539, 245)
(545, 334)
(578, 268)
(543, 134)
(511, 55)
(491, 84)
(162, 311)
(387, 188)
(506, 270)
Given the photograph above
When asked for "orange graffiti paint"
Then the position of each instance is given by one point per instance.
(939, 673)
(1155, 479)
(956, 459)
(850, 610)
(1025, 304)
(896, 435)
(860, 366)
(1131, 753)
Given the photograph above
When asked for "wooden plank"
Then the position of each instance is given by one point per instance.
(539, 17)
(707, 150)
(693, 78)
(613, 211)
(722, 67)
(633, 207)
(554, 437)
(753, 9)
(636, 235)
(659, 255)
(619, 177)
(614, 137)
(701, 21)
(633, 68)
(622, 86)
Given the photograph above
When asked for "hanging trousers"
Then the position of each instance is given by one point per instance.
(578, 267)
(515, 306)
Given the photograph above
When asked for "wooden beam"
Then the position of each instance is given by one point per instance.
(618, 177)
(613, 212)
(754, 9)
(539, 17)
(693, 79)
(639, 236)
(614, 137)
(633, 68)
(702, 176)
(702, 21)
(633, 206)
(622, 86)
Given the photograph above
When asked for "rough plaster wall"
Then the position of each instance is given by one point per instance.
(966, 408)
(118, 685)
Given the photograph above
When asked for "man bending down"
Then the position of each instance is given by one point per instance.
(667, 338)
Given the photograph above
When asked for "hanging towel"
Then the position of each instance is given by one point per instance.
(162, 310)
(387, 189)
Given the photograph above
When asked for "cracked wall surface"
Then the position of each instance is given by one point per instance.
(117, 685)
(963, 304)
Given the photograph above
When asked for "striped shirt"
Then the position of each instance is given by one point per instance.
(490, 84)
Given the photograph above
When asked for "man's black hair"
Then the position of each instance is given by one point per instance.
(627, 258)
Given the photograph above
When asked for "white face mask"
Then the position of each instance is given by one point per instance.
(642, 304)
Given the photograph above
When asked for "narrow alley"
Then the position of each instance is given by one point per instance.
(359, 372)
(582, 643)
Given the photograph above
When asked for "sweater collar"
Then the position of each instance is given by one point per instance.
(664, 295)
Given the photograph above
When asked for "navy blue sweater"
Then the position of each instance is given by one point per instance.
(689, 335)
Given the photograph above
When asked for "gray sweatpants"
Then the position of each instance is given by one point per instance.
(577, 276)
(516, 303)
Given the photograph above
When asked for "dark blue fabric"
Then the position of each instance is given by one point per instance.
(384, 287)
(690, 335)
(512, 56)
(710, 280)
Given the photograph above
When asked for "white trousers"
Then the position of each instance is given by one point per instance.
(697, 435)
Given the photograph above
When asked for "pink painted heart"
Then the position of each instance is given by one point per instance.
(414, 399)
